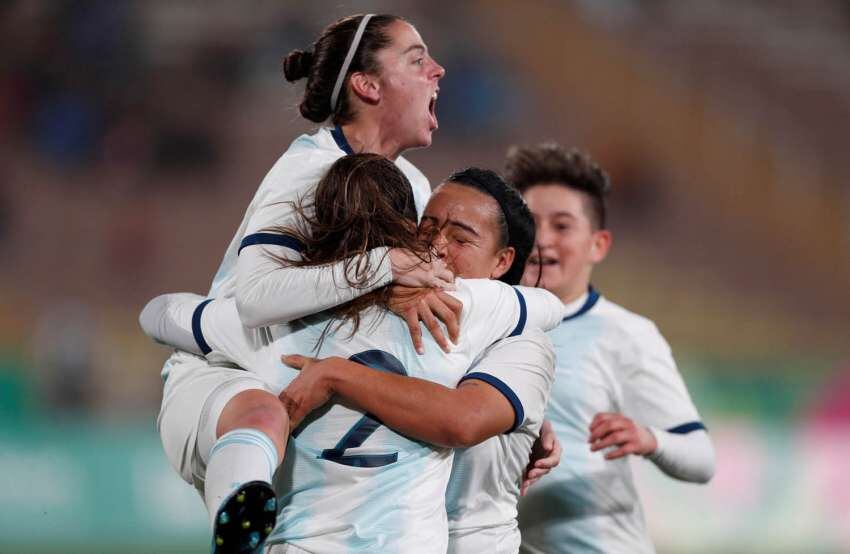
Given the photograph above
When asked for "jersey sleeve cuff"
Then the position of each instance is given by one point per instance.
(516, 404)
(197, 331)
(686, 428)
(271, 238)
(662, 434)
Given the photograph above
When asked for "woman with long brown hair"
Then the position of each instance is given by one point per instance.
(372, 84)
(349, 483)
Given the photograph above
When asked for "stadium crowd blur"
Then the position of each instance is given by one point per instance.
(133, 135)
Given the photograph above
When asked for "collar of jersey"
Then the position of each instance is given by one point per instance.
(592, 298)
(341, 141)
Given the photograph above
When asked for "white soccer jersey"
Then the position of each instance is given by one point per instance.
(299, 291)
(608, 360)
(293, 178)
(481, 500)
(349, 484)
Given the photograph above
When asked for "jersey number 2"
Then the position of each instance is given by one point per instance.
(363, 429)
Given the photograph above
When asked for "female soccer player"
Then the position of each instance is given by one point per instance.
(617, 390)
(349, 483)
(495, 413)
(372, 77)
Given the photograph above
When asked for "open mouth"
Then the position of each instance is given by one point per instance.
(543, 261)
(432, 109)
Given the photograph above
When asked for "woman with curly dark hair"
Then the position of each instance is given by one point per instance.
(340, 456)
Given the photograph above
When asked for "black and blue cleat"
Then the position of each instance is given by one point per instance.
(245, 519)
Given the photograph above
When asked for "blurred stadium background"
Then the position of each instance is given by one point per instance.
(133, 135)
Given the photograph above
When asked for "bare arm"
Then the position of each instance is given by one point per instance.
(467, 415)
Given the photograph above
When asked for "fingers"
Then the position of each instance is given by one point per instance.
(295, 361)
(453, 303)
(427, 317)
(411, 270)
(444, 280)
(291, 407)
(616, 438)
(549, 462)
(547, 440)
(624, 450)
(443, 277)
(552, 457)
(411, 317)
(556, 453)
(446, 313)
(525, 486)
(603, 417)
(536, 473)
(608, 426)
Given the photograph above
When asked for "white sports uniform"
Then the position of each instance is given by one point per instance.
(609, 360)
(194, 391)
(349, 484)
(481, 500)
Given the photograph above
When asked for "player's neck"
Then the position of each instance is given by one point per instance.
(365, 135)
(574, 291)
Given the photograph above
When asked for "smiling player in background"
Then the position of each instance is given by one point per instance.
(617, 390)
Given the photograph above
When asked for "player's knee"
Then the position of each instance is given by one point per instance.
(256, 410)
(271, 418)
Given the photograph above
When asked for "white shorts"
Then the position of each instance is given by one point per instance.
(194, 395)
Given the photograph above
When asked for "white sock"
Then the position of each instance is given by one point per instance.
(240, 456)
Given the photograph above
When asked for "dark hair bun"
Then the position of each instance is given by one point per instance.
(297, 64)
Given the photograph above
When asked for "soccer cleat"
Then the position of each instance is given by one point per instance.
(245, 519)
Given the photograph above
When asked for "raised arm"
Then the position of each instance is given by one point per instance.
(269, 292)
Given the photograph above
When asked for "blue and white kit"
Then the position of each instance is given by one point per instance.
(348, 483)
(609, 359)
(481, 500)
(195, 392)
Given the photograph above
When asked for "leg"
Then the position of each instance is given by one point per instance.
(254, 429)
(251, 432)
(256, 409)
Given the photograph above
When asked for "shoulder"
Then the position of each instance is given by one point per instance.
(479, 287)
(533, 345)
(410, 171)
(306, 160)
(630, 328)
(531, 340)
(320, 140)
(317, 146)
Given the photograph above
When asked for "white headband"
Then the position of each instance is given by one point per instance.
(350, 56)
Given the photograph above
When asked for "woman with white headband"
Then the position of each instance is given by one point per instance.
(222, 428)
